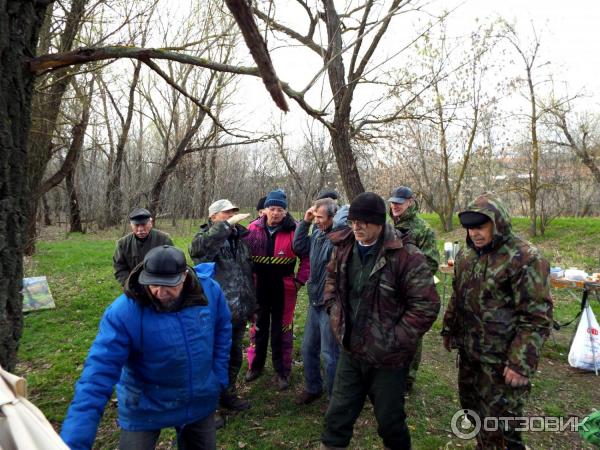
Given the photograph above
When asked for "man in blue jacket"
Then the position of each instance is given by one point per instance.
(165, 345)
(318, 338)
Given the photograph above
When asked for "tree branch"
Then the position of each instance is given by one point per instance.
(178, 88)
(304, 40)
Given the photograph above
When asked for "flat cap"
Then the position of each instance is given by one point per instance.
(140, 216)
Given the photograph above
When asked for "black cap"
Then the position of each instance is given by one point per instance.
(328, 193)
(163, 266)
(472, 219)
(401, 194)
(261, 203)
(368, 207)
(139, 216)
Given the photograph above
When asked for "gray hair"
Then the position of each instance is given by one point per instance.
(330, 205)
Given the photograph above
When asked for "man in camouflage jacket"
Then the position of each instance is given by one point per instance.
(403, 211)
(499, 316)
(381, 299)
(221, 241)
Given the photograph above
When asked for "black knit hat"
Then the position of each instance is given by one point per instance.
(261, 203)
(368, 207)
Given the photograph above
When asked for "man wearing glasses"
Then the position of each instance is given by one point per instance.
(381, 299)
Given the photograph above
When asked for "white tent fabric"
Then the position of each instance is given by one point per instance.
(22, 424)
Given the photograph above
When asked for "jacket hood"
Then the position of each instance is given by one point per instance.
(340, 220)
(492, 207)
(191, 295)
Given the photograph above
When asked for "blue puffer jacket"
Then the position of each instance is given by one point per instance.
(169, 367)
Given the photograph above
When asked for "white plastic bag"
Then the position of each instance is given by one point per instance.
(586, 345)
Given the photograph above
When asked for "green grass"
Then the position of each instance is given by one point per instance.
(79, 270)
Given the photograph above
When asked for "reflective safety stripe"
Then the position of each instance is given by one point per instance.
(273, 260)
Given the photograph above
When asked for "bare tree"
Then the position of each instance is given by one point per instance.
(357, 31)
(580, 134)
(529, 59)
(23, 20)
(453, 105)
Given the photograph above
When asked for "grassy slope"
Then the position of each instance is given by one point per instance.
(79, 271)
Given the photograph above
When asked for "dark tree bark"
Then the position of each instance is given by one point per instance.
(20, 21)
(74, 212)
(46, 206)
(342, 98)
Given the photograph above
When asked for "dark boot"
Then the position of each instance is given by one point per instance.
(219, 422)
(252, 375)
(306, 398)
(232, 402)
(283, 382)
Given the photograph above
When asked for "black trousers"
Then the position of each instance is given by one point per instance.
(354, 382)
(236, 356)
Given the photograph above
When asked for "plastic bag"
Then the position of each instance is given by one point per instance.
(586, 344)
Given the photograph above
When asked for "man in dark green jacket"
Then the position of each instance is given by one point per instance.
(132, 248)
(381, 299)
(498, 318)
(403, 210)
(220, 241)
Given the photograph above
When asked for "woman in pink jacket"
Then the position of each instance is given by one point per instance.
(270, 239)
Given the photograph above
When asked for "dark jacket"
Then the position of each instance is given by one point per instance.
(130, 252)
(169, 367)
(500, 311)
(222, 244)
(399, 301)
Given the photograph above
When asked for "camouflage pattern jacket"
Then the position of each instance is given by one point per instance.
(222, 244)
(398, 305)
(130, 252)
(419, 234)
(500, 311)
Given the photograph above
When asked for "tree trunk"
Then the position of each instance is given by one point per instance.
(20, 21)
(342, 99)
(46, 206)
(535, 158)
(114, 197)
(74, 213)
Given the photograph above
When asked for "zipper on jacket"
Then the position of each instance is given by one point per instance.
(189, 355)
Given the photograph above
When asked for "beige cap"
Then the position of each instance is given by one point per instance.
(221, 205)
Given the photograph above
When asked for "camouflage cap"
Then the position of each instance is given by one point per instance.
(221, 205)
